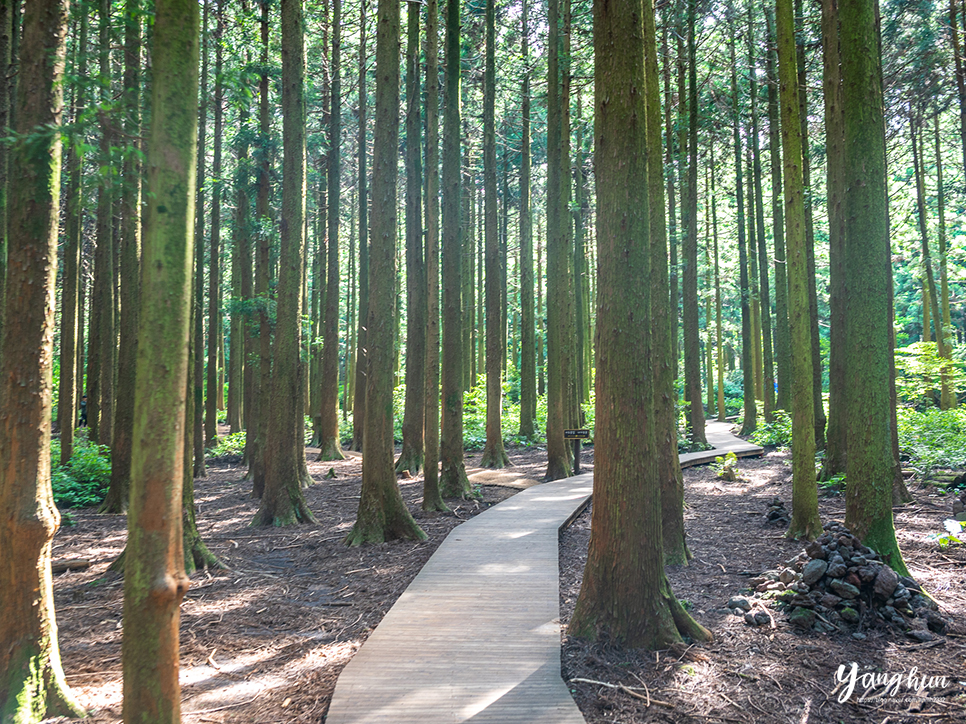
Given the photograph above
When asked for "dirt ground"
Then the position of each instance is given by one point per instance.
(265, 640)
(764, 675)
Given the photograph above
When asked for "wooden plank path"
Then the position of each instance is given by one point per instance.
(476, 636)
(722, 441)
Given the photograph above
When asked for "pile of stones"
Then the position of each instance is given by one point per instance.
(837, 583)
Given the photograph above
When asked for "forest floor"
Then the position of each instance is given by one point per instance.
(265, 640)
(765, 675)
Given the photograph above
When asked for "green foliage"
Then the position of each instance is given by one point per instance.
(726, 466)
(933, 438)
(919, 371)
(953, 534)
(83, 482)
(777, 433)
(229, 446)
(835, 485)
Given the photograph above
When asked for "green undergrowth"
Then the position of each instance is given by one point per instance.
(933, 438)
(775, 434)
(83, 481)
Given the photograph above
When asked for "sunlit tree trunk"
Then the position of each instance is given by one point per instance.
(528, 372)
(361, 357)
(719, 351)
(947, 398)
(214, 248)
(198, 330)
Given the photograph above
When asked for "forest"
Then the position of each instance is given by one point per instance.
(291, 290)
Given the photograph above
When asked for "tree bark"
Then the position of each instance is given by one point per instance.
(329, 444)
(361, 346)
(32, 684)
(411, 457)
(453, 481)
(871, 464)
(625, 595)
(528, 362)
(382, 513)
(282, 500)
(198, 330)
(805, 520)
(214, 247)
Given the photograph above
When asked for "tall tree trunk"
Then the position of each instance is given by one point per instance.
(805, 520)
(752, 259)
(835, 450)
(494, 456)
(197, 329)
(71, 295)
(749, 421)
(32, 684)
(665, 415)
(954, 32)
(692, 344)
(528, 371)
(817, 403)
(783, 354)
(130, 240)
(947, 397)
(432, 500)
(239, 372)
(263, 274)
(214, 248)
(411, 457)
(245, 237)
(764, 296)
(359, 381)
(453, 481)
(7, 12)
(330, 448)
(102, 414)
(719, 356)
(382, 513)
(625, 595)
(559, 277)
(871, 464)
(282, 499)
(541, 332)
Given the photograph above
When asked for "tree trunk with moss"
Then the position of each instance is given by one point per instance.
(198, 312)
(411, 457)
(130, 277)
(749, 420)
(383, 514)
(692, 344)
(154, 578)
(494, 455)
(453, 481)
(72, 290)
(282, 500)
(835, 444)
(871, 465)
(361, 357)
(7, 11)
(32, 685)
(669, 466)
(805, 520)
(432, 500)
(947, 397)
(329, 445)
(213, 386)
(625, 595)
(528, 362)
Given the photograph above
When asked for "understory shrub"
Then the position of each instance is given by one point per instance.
(83, 482)
(933, 438)
(777, 433)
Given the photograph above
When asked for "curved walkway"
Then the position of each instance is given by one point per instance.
(476, 636)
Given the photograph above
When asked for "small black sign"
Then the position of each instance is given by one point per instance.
(576, 434)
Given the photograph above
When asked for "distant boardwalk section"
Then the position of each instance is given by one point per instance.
(476, 636)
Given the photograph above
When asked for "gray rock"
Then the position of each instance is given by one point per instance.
(859, 636)
(867, 573)
(739, 602)
(843, 589)
(958, 506)
(909, 583)
(935, 622)
(830, 600)
(762, 618)
(921, 635)
(836, 567)
(886, 581)
(815, 550)
(787, 576)
(813, 571)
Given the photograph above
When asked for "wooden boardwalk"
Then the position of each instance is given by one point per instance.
(476, 636)
(722, 441)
